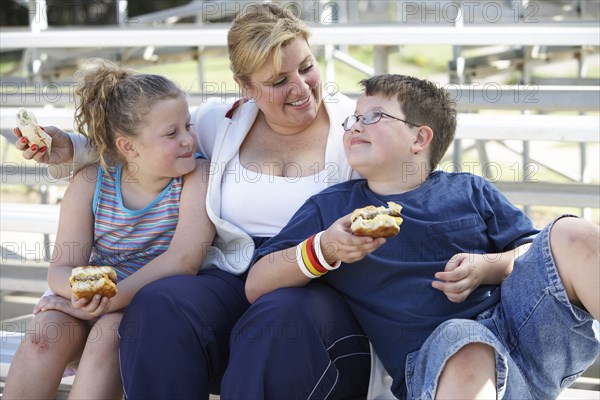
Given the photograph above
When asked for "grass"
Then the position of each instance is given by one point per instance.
(421, 60)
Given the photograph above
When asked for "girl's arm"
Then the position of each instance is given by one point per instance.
(465, 272)
(193, 236)
(74, 237)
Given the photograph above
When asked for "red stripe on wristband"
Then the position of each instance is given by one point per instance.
(312, 256)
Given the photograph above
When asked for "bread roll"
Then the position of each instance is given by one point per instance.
(377, 221)
(88, 281)
(27, 124)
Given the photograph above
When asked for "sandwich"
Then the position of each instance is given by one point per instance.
(30, 129)
(88, 281)
(377, 221)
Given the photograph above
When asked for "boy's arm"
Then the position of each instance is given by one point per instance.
(499, 266)
(465, 272)
(281, 268)
(193, 236)
(274, 271)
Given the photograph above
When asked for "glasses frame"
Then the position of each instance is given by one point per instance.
(381, 115)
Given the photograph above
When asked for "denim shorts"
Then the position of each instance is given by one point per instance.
(542, 343)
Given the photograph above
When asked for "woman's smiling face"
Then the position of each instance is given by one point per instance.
(291, 100)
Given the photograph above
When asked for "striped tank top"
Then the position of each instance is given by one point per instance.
(129, 239)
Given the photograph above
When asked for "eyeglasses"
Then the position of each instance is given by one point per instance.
(371, 117)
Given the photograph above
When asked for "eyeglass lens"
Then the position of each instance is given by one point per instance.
(369, 117)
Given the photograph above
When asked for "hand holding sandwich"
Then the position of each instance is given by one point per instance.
(62, 147)
(363, 231)
(338, 243)
(85, 309)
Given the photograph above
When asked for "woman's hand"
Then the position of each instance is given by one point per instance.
(338, 243)
(82, 308)
(62, 147)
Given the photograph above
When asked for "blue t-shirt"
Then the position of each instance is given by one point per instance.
(390, 290)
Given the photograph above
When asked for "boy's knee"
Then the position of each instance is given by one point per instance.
(472, 356)
(576, 254)
(574, 242)
(574, 233)
(469, 373)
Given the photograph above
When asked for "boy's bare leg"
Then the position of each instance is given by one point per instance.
(52, 341)
(576, 250)
(469, 374)
(98, 375)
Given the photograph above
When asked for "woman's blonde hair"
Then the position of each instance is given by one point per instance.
(258, 35)
(113, 100)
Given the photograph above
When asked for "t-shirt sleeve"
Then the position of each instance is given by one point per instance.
(304, 223)
(508, 226)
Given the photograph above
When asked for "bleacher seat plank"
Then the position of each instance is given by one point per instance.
(385, 35)
(576, 128)
(469, 97)
(29, 218)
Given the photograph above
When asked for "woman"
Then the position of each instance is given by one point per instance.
(269, 152)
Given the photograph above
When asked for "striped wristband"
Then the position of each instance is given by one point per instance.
(320, 257)
(310, 258)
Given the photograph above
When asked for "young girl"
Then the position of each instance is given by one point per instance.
(139, 206)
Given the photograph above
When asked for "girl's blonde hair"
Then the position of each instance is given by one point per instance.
(113, 100)
(258, 35)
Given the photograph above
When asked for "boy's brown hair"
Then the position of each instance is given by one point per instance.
(423, 103)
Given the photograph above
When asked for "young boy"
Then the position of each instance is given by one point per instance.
(469, 296)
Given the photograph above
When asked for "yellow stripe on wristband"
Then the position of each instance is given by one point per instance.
(311, 268)
(312, 256)
(301, 264)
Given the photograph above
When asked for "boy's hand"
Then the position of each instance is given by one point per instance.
(462, 275)
(339, 244)
(62, 147)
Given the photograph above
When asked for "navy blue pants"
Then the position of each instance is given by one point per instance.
(175, 335)
(298, 343)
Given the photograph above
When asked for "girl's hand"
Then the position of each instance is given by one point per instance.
(96, 306)
(59, 303)
(462, 275)
(62, 147)
(338, 243)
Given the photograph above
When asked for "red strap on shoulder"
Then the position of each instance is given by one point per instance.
(234, 107)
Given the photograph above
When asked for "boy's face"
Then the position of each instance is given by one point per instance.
(379, 150)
